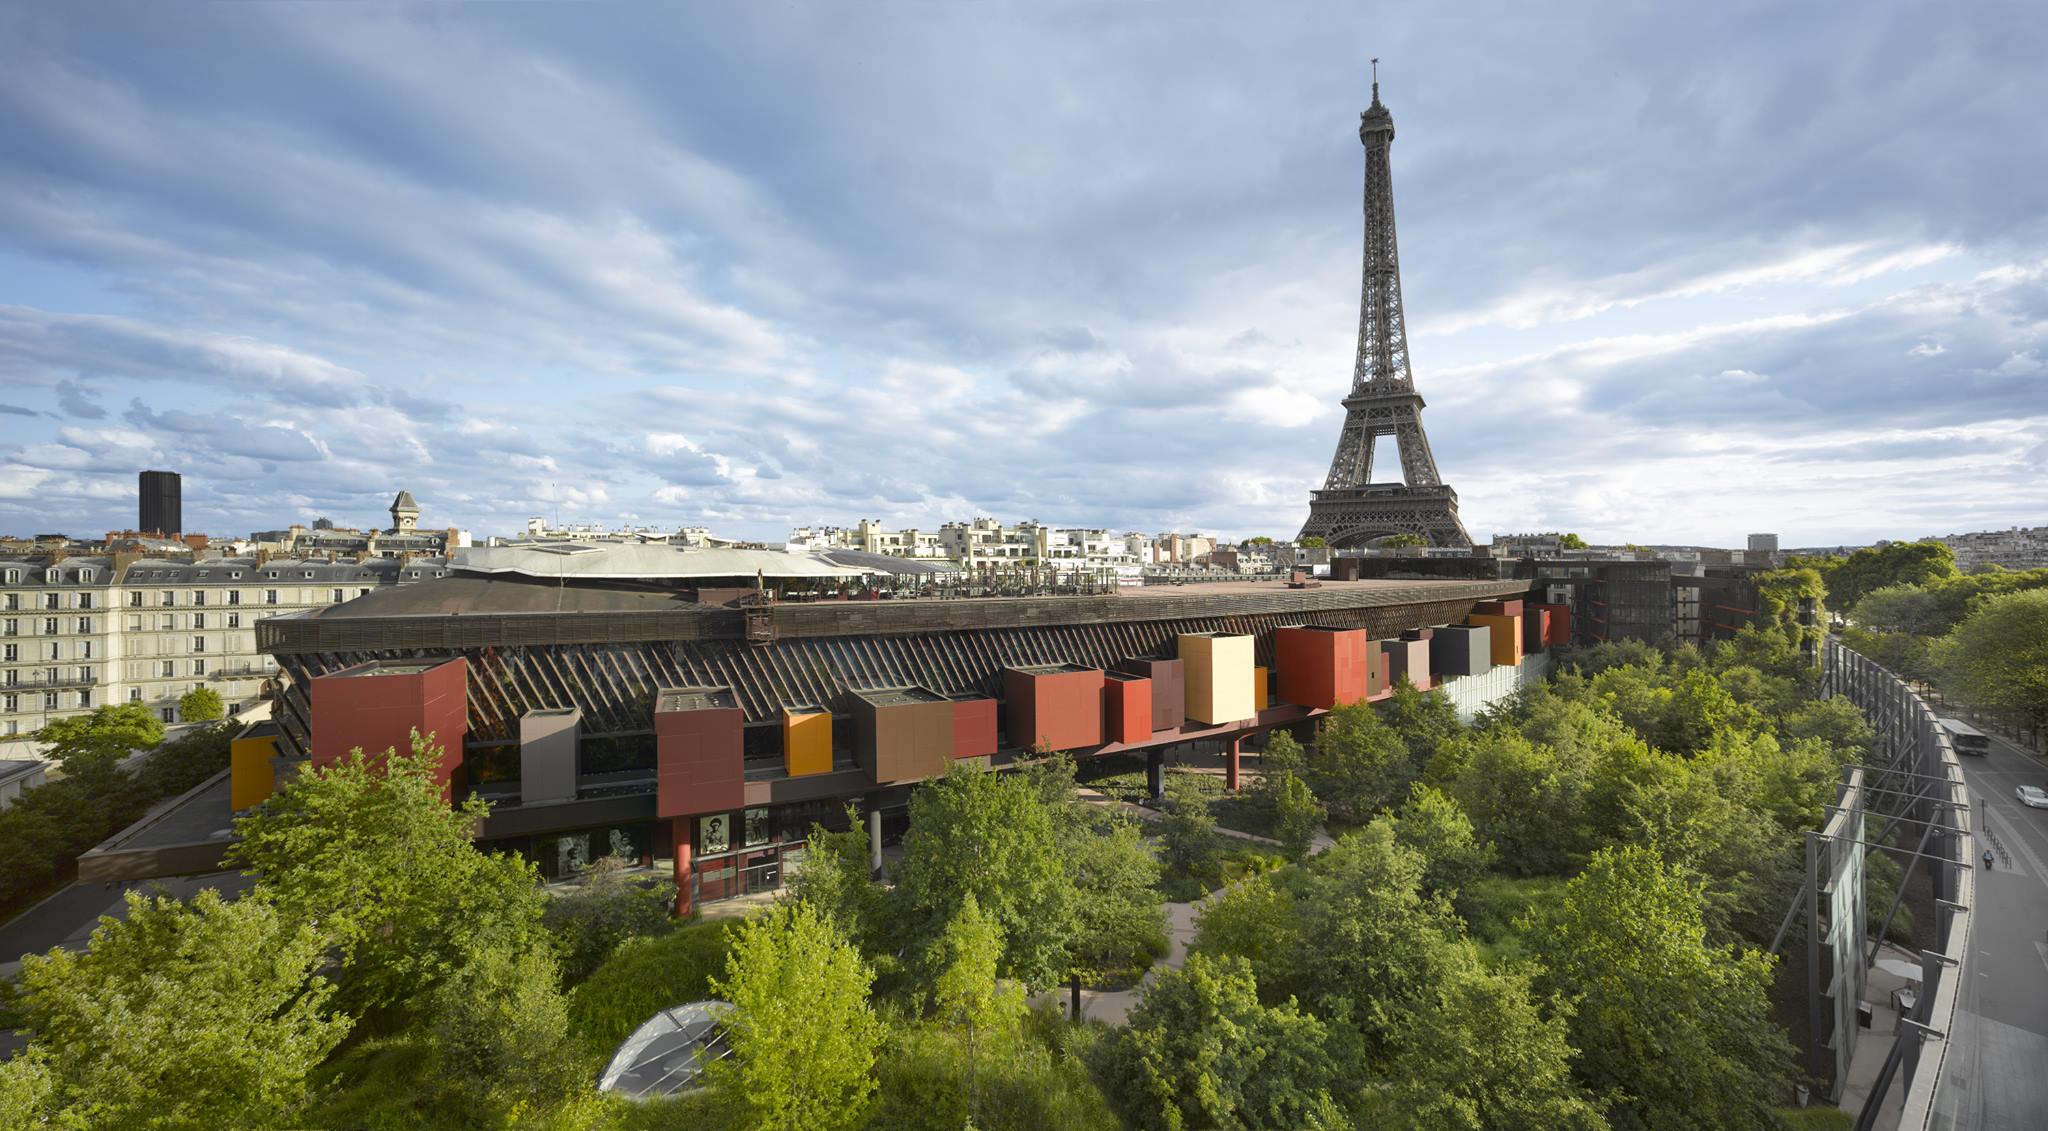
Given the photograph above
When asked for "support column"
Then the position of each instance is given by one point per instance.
(1155, 774)
(1230, 762)
(686, 839)
(874, 840)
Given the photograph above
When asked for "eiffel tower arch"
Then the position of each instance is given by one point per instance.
(1351, 510)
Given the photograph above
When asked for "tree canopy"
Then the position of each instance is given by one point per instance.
(90, 745)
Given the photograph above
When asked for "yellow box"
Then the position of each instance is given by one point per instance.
(806, 740)
(1261, 689)
(1219, 677)
(250, 779)
(1506, 634)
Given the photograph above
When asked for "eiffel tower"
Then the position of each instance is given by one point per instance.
(1351, 510)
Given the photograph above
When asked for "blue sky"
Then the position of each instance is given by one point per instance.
(1672, 273)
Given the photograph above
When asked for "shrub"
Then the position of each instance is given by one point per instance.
(644, 976)
(589, 923)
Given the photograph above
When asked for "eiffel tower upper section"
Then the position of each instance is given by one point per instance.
(1351, 510)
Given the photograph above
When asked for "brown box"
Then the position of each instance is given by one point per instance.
(1169, 690)
(902, 733)
(699, 751)
(1059, 705)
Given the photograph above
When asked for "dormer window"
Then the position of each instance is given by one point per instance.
(85, 577)
(52, 576)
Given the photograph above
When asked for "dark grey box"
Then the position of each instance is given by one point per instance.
(1461, 649)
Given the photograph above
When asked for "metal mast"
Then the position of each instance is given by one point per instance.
(1351, 510)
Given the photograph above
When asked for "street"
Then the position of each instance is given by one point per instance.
(1995, 1071)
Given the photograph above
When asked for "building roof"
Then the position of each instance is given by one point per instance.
(404, 502)
(644, 561)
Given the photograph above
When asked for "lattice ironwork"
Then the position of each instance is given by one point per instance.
(1351, 510)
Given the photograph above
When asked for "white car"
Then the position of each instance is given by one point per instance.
(2033, 796)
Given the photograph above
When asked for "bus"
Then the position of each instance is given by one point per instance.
(1965, 738)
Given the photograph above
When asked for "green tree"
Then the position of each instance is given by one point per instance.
(1432, 824)
(1255, 920)
(1998, 657)
(1258, 540)
(1526, 799)
(1359, 765)
(1480, 1055)
(1571, 541)
(1187, 834)
(802, 1034)
(1202, 1051)
(1314, 542)
(369, 850)
(1403, 541)
(1120, 915)
(1672, 1032)
(90, 745)
(26, 1092)
(182, 1015)
(966, 996)
(1370, 942)
(501, 1025)
(1297, 815)
(1902, 608)
(1875, 567)
(1425, 720)
(201, 705)
(992, 835)
(836, 878)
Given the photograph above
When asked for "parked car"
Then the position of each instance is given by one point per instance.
(2033, 796)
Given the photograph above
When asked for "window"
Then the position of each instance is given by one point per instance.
(271, 574)
(170, 668)
(166, 622)
(85, 650)
(85, 577)
(53, 649)
(85, 697)
(13, 627)
(85, 675)
(135, 624)
(170, 714)
(270, 596)
(135, 598)
(234, 575)
(199, 596)
(198, 620)
(235, 595)
(362, 592)
(53, 600)
(11, 702)
(308, 575)
(85, 600)
(199, 667)
(49, 626)
(13, 652)
(170, 598)
(135, 695)
(338, 598)
(49, 700)
(199, 644)
(13, 601)
(52, 576)
(85, 625)
(13, 577)
(234, 620)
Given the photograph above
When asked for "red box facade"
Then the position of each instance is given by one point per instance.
(1499, 608)
(1128, 703)
(974, 725)
(376, 707)
(699, 752)
(1535, 628)
(1560, 631)
(1324, 667)
(1059, 705)
(1169, 690)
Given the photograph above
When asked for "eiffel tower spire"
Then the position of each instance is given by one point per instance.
(1351, 510)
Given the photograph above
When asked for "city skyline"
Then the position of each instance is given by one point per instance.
(1671, 279)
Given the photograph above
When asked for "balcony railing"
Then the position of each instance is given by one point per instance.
(43, 681)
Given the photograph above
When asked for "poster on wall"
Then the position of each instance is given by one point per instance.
(714, 833)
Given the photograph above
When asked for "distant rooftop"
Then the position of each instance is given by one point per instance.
(644, 561)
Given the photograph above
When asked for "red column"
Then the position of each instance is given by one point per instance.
(1230, 765)
(686, 839)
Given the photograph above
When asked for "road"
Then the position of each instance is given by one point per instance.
(1997, 1070)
